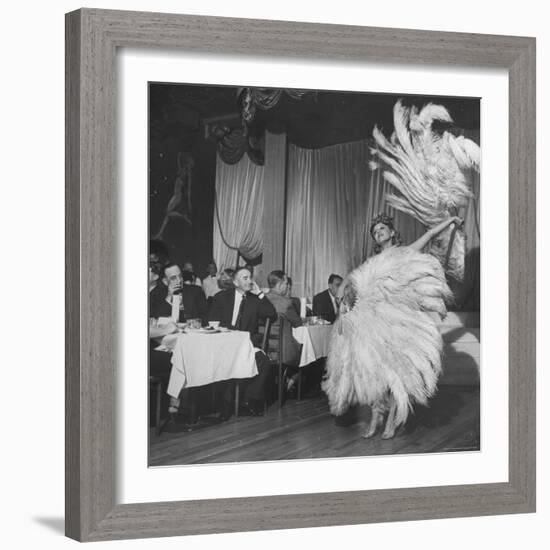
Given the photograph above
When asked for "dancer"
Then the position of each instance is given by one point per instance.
(385, 236)
(385, 348)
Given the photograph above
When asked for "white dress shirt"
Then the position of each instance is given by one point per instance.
(236, 306)
(334, 302)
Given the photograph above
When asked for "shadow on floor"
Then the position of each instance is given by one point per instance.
(54, 524)
(440, 411)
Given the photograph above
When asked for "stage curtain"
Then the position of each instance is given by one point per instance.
(327, 192)
(238, 213)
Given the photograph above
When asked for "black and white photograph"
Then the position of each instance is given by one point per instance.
(314, 274)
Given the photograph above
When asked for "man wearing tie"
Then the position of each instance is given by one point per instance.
(325, 304)
(177, 281)
(242, 308)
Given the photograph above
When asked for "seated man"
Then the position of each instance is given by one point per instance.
(325, 304)
(181, 282)
(193, 306)
(291, 349)
(295, 301)
(159, 361)
(241, 308)
(278, 283)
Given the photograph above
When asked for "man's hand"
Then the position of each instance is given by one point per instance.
(173, 288)
(456, 220)
(254, 288)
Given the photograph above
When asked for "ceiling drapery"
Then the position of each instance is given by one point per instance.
(234, 142)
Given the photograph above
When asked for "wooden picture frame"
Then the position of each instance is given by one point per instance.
(92, 39)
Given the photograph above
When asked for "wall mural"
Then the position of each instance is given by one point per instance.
(179, 206)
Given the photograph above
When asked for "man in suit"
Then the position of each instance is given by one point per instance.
(325, 304)
(290, 348)
(159, 361)
(181, 282)
(176, 281)
(242, 308)
(295, 301)
(277, 295)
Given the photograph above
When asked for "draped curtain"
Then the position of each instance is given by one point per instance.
(238, 213)
(326, 203)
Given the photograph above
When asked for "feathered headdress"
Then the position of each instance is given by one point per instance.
(428, 171)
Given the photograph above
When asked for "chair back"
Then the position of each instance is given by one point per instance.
(271, 344)
(264, 328)
(278, 343)
(276, 339)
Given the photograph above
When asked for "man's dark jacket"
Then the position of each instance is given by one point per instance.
(322, 306)
(254, 309)
(194, 303)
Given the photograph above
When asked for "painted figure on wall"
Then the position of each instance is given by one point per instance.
(179, 206)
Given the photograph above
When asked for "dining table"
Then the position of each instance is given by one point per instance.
(203, 356)
(315, 340)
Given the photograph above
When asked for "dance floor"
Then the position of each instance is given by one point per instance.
(305, 429)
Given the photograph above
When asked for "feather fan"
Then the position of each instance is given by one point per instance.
(389, 343)
(428, 172)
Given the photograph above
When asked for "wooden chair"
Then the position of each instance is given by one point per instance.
(264, 329)
(273, 345)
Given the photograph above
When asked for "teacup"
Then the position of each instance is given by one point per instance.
(213, 324)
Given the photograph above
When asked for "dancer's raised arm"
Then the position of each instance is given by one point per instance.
(420, 243)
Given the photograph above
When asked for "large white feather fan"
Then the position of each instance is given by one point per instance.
(389, 342)
(429, 172)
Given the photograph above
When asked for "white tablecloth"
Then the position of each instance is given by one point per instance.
(314, 340)
(200, 359)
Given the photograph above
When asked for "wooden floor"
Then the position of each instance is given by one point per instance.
(305, 429)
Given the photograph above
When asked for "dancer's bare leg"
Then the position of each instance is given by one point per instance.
(377, 413)
(389, 430)
(160, 233)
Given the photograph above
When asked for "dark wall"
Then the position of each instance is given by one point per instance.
(185, 242)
